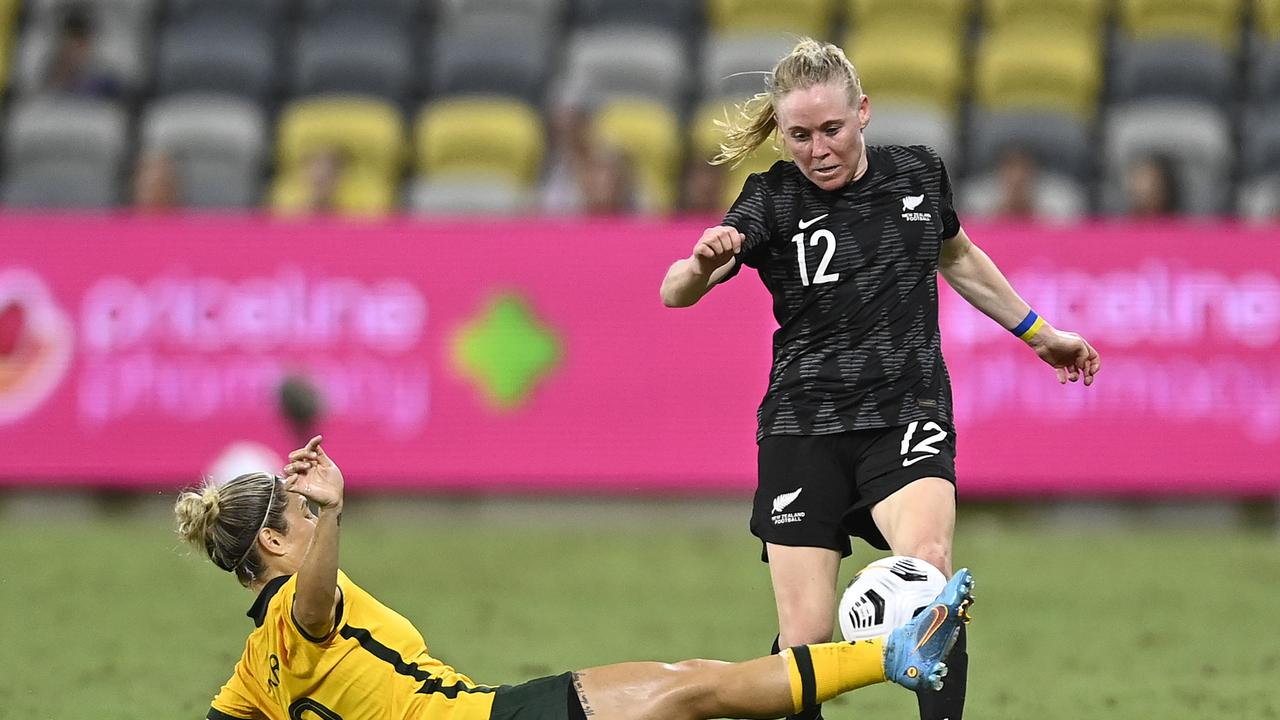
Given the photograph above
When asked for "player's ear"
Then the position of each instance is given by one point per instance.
(864, 112)
(271, 541)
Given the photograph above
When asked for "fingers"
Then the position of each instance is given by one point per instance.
(1062, 375)
(720, 240)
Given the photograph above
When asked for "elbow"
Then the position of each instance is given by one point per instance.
(672, 299)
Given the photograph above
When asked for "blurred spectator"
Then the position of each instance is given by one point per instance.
(300, 407)
(608, 185)
(1020, 189)
(323, 169)
(703, 186)
(155, 183)
(74, 67)
(569, 157)
(1151, 187)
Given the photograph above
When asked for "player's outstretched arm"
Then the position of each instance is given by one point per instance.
(712, 258)
(972, 274)
(313, 475)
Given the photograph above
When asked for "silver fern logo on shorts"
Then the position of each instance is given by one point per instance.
(781, 503)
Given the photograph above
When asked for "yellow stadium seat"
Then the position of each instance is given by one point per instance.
(1057, 72)
(8, 28)
(900, 18)
(704, 135)
(1266, 16)
(1039, 15)
(505, 137)
(925, 69)
(1216, 21)
(648, 133)
(371, 133)
(813, 18)
(359, 194)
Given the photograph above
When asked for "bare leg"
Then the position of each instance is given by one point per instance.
(804, 588)
(689, 690)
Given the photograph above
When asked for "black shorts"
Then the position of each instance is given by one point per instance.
(548, 698)
(817, 490)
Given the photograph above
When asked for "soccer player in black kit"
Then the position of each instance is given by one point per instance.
(855, 430)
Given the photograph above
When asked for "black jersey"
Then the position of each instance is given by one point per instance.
(853, 274)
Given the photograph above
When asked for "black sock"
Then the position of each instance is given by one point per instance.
(948, 703)
(812, 713)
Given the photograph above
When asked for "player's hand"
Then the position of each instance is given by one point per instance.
(311, 474)
(1071, 356)
(716, 247)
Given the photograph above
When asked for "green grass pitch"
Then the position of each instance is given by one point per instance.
(107, 617)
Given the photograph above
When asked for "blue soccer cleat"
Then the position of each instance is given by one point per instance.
(914, 653)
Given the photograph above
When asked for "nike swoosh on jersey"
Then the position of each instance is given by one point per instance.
(914, 460)
(806, 223)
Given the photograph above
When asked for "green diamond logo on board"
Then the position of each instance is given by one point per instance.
(505, 351)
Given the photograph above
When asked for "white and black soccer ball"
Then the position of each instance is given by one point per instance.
(887, 593)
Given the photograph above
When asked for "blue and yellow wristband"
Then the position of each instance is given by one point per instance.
(1029, 326)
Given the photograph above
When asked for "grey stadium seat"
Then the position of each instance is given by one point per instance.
(491, 55)
(354, 53)
(223, 52)
(217, 143)
(624, 62)
(1195, 135)
(1060, 142)
(1262, 142)
(1057, 197)
(47, 129)
(736, 64)
(60, 185)
(402, 10)
(678, 15)
(122, 48)
(538, 12)
(1266, 75)
(264, 12)
(469, 195)
(1260, 198)
(1172, 69)
(903, 125)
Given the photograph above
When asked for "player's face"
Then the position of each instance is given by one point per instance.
(302, 525)
(823, 132)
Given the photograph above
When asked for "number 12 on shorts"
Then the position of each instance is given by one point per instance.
(925, 446)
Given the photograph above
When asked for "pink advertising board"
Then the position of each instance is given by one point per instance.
(495, 356)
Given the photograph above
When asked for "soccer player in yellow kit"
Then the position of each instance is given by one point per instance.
(324, 649)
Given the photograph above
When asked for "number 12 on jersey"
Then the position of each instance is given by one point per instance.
(822, 276)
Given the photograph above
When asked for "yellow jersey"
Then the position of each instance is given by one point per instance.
(374, 664)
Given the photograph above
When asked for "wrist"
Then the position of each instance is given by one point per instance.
(1031, 328)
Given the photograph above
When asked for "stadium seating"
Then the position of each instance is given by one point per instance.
(673, 15)
(122, 41)
(1214, 21)
(1019, 70)
(370, 136)
(921, 71)
(401, 10)
(1059, 142)
(648, 133)
(1266, 18)
(56, 148)
(538, 12)
(605, 64)
(1173, 68)
(355, 53)
(906, 16)
(482, 194)
(491, 54)
(737, 64)
(903, 125)
(266, 13)
(1265, 72)
(479, 136)
(813, 18)
(220, 51)
(8, 17)
(217, 143)
(1038, 16)
(1196, 136)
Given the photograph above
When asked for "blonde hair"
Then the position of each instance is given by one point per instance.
(224, 520)
(808, 64)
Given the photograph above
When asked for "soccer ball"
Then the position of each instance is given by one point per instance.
(887, 593)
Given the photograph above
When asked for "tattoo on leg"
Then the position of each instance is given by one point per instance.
(582, 695)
